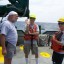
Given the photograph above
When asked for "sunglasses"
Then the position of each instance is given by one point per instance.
(61, 23)
(32, 18)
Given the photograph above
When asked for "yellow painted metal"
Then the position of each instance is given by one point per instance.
(45, 54)
(21, 47)
(1, 56)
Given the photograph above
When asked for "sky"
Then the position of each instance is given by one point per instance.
(45, 10)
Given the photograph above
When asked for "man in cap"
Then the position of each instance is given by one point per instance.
(30, 38)
(9, 36)
(58, 49)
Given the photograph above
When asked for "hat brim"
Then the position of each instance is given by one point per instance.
(32, 18)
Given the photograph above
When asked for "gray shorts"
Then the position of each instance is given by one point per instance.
(11, 49)
(27, 47)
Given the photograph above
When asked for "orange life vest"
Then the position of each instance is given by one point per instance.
(32, 30)
(55, 46)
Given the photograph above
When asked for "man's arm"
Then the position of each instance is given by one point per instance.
(26, 29)
(3, 41)
(4, 52)
(4, 31)
(54, 38)
(27, 26)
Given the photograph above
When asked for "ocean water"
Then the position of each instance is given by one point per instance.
(44, 26)
(20, 25)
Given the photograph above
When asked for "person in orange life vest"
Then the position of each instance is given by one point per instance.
(31, 37)
(58, 55)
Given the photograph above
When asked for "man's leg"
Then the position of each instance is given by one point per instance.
(36, 58)
(35, 50)
(10, 53)
(57, 58)
(26, 58)
(26, 50)
(7, 60)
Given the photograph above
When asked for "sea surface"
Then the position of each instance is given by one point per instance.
(44, 26)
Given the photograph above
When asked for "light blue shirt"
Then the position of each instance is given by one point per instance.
(9, 30)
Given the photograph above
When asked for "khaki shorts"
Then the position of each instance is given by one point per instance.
(27, 47)
(11, 49)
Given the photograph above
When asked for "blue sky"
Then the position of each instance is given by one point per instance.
(45, 10)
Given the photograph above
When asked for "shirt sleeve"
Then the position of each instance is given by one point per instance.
(4, 29)
(24, 28)
(37, 28)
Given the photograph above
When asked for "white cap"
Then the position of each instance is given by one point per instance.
(10, 13)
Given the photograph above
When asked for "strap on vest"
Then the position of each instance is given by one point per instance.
(59, 35)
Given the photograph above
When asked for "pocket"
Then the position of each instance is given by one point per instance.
(11, 47)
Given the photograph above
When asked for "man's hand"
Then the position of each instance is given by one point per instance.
(58, 42)
(4, 51)
(35, 33)
(31, 33)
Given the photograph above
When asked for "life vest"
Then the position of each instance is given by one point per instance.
(32, 30)
(55, 46)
